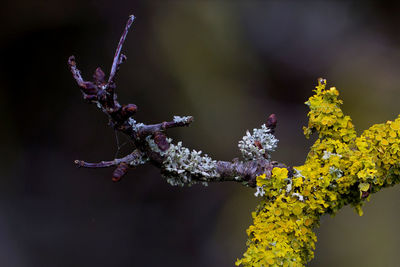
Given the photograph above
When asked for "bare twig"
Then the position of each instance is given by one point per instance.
(134, 156)
(122, 164)
(118, 57)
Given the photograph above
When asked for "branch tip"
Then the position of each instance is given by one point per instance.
(118, 57)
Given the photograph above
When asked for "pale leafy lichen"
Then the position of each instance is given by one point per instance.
(135, 126)
(184, 119)
(266, 141)
(182, 164)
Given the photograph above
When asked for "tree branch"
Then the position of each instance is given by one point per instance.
(178, 164)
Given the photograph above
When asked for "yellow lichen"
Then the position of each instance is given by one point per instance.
(340, 169)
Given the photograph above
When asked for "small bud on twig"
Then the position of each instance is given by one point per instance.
(258, 144)
(99, 76)
(161, 140)
(120, 171)
(128, 110)
(271, 121)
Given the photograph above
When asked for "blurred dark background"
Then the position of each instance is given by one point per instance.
(229, 64)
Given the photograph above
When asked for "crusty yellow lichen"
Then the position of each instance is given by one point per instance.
(340, 169)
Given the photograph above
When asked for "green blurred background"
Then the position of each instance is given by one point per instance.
(229, 64)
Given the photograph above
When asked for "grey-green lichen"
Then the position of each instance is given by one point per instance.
(181, 165)
(135, 126)
(184, 119)
(259, 144)
(139, 161)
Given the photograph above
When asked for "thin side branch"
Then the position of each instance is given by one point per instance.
(77, 74)
(118, 57)
(134, 156)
